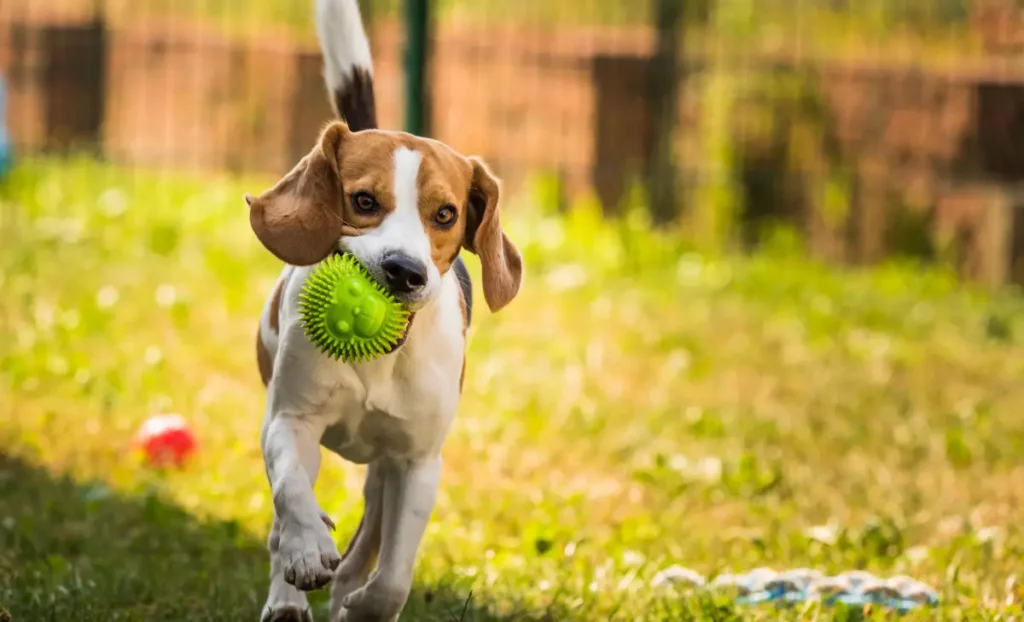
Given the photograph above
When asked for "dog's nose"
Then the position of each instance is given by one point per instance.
(404, 274)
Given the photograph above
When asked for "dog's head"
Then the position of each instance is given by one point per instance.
(404, 206)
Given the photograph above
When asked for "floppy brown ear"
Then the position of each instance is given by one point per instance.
(500, 259)
(299, 220)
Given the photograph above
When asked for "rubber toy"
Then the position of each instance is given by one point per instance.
(347, 314)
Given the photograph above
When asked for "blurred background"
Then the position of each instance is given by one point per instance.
(772, 313)
(874, 128)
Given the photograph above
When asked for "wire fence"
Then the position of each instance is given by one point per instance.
(875, 127)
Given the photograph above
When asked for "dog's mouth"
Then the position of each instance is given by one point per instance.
(405, 334)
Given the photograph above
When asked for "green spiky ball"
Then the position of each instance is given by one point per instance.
(348, 314)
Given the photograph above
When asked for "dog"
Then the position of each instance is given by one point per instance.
(404, 207)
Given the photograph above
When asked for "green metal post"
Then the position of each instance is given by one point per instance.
(417, 56)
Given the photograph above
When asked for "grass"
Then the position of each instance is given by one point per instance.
(638, 406)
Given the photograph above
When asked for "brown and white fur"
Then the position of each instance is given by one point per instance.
(404, 206)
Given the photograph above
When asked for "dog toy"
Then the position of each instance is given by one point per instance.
(347, 314)
(166, 440)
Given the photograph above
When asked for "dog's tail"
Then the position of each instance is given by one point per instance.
(348, 68)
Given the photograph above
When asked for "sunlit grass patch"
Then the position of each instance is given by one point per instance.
(639, 405)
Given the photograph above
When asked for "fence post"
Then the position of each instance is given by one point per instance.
(664, 90)
(417, 55)
(74, 85)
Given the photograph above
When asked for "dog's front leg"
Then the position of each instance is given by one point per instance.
(358, 560)
(410, 491)
(306, 553)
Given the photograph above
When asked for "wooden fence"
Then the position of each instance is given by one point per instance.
(572, 101)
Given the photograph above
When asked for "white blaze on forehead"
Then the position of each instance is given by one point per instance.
(404, 223)
(407, 170)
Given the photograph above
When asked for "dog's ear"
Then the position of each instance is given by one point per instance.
(300, 219)
(499, 258)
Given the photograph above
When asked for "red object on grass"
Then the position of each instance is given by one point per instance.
(166, 440)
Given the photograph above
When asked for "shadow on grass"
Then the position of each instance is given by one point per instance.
(71, 551)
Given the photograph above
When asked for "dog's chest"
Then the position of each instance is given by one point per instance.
(379, 419)
(398, 406)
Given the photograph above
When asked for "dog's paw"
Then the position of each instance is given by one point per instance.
(286, 613)
(373, 602)
(310, 558)
(355, 615)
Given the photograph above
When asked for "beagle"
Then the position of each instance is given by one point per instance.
(404, 206)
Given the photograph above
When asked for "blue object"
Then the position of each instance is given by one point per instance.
(6, 155)
(784, 588)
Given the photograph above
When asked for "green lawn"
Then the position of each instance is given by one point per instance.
(638, 406)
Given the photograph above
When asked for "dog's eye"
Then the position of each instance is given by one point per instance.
(446, 216)
(364, 203)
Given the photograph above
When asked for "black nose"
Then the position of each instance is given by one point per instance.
(404, 274)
